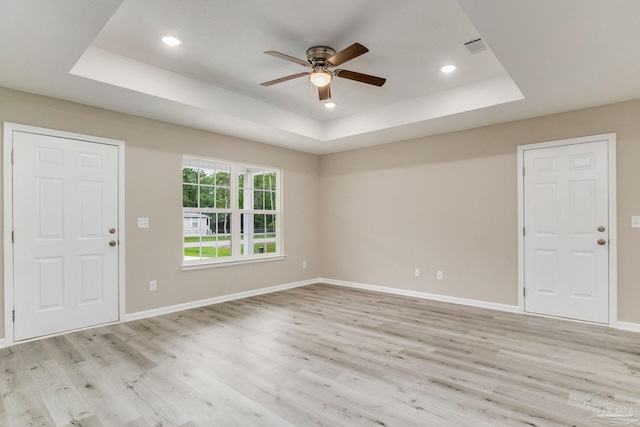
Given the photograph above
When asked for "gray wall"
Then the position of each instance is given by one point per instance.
(153, 189)
(449, 202)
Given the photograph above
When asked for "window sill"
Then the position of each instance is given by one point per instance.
(196, 265)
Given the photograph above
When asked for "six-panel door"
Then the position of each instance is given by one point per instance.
(566, 231)
(66, 234)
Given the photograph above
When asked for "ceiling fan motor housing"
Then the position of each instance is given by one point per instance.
(318, 55)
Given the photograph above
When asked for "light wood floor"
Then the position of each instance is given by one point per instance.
(322, 356)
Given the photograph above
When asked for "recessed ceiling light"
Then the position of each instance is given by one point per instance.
(330, 105)
(448, 68)
(171, 41)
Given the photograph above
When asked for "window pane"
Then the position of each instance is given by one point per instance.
(258, 234)
(270, 225)
(207, 197)
(221, 233)
(270, 200)
(223, 198)
(270, 181)
(223, 178)
(190, 175)
(222, 226)
(196, 224)
(258, 199)
(241, 187)
(269, 184)
(211, 238)
(207, 177)
(189, 196)
(258, 180)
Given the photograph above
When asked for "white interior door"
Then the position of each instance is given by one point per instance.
(566, 243)
(65, 217)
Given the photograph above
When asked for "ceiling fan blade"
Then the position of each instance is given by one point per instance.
(283, 79)
(347, 54)
(324, 92)
(288, 58)
(359, 77)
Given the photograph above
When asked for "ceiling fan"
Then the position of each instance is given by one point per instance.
(321, 60)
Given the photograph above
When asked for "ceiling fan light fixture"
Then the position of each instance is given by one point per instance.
(320, 77)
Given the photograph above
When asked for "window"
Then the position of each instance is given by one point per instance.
(231, 212)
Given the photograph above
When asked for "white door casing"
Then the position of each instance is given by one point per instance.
(568, 235)
(66, 260)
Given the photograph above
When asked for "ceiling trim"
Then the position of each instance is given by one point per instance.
(118, 70)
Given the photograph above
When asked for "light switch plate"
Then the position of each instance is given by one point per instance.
(635, 222)
(143, 222)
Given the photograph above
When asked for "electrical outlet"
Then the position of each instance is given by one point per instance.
(304, 264)
(417, 272)
(439, 275)
(153, 285)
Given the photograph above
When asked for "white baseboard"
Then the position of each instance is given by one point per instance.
(628, 326)
(423, 295)
(200, 303)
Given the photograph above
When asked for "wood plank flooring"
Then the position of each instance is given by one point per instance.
(323, 356)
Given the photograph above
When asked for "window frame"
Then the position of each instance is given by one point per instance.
(235, 213)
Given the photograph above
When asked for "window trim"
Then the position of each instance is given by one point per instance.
(200, 264)
(236, 258)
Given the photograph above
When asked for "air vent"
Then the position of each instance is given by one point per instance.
(475, 46)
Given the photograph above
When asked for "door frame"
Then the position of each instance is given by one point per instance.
(613, 219)
(7, 183)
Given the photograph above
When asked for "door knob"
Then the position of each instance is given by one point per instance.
(113, 243)
(601, 242)
(601, 229)
(113, 230)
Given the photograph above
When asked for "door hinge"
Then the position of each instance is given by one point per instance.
(523, 232)
(523, 171)
(524, 292)
(13, 236)
(13, 316)
(11, 156)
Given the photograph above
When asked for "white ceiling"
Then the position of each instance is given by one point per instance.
(545, 56)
